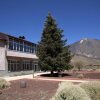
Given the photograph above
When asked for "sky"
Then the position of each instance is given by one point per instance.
(78, 18)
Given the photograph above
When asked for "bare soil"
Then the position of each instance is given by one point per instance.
(35, 90)
(41, 89)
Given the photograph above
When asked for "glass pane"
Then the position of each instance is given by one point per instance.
(21, 47)
(14, 46)
(17, 47)
(25, 49)
(11, 45)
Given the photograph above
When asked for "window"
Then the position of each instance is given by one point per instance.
(26, 65)
(25, 48)
(32, 50)
(22, 46)
(15, 46)
(11, 45)
(13, 65)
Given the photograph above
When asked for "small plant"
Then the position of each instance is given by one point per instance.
(92, 89)
(93, 69)
(4, 83)
(74, 70)
(70, 92)
(78, 65)
(81, 76)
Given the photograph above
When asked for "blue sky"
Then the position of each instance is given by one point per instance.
(78, 18)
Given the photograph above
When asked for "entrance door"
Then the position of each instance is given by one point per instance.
(36, 67)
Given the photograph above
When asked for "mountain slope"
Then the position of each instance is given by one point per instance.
(86, 60)
(86, 47)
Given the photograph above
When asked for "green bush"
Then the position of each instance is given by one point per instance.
(70, 92)
(4, 83)
(92, 89)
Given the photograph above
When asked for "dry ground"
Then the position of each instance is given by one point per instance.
(35, 90)
(40, 89)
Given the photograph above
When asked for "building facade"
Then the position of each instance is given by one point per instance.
(17, 55)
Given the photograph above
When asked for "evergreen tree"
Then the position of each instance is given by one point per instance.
(52, 50)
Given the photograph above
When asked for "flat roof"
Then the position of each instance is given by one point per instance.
(4, 36)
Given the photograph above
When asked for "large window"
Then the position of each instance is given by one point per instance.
(22, 46)
(13, 65)
(18, 65)
(26, 65)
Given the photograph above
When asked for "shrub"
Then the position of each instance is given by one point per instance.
(92, 89)
(81, 76)
(78, 65)
(70, 92)
(4, 83)
(63, 85)
(93, 69)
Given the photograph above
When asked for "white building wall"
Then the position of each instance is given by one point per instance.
(3, 60)
(21, 54)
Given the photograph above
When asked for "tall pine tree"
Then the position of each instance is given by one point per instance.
(52, 50)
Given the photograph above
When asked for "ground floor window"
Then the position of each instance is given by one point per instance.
(27, 65)
(22, 65)
(13, 65)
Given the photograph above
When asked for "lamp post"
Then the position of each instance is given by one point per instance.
(33, 70)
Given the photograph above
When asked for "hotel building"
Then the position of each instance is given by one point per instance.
(17, 55)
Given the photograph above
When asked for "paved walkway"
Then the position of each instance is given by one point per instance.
(30, 76)
(61, 80)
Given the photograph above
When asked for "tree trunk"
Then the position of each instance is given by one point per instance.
(52, 73)
(59, 73)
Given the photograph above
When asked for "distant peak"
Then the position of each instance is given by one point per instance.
(81, 41)
(85, 39)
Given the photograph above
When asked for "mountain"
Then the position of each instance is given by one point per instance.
(87, 51)
(87, 48)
